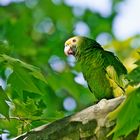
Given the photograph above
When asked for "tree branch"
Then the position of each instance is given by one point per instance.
(90, 123)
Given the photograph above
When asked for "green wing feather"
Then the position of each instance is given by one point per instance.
(99, 84)
(115, 72)
(114, 67)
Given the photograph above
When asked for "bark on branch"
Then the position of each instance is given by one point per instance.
(88, 124)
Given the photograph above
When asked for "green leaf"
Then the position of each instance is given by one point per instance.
(127, 116)
(4, 108)
(13, 61)
(4, 48)
(35, 71)
(39, 76)
(134, 76)
(23, 75)
(137, 62)
(138, 137)
(27, 109)
(21, 80)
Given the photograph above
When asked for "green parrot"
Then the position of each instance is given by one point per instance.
(102, 70)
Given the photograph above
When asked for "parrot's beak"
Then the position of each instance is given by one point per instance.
(69, 50)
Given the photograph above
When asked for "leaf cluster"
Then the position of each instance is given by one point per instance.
(127, 115)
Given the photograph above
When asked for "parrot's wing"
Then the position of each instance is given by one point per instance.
(112, 75)
(98, 83)
(115, 71)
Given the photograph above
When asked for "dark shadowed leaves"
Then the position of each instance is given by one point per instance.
(4, 107)
(134, 75)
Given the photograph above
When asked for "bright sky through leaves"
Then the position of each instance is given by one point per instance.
(127, 22)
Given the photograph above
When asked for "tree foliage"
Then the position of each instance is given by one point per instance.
(39, 81)
(127, 114)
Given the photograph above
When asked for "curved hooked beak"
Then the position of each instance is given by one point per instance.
(69, 50)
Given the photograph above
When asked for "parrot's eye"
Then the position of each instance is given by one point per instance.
(74, 40)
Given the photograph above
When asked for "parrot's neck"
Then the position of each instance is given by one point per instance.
(88, 51)
(88, 55)
(89, 58)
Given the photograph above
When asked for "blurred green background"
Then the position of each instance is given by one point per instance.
(35, 31)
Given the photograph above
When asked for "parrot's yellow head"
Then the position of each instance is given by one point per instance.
(72, 44)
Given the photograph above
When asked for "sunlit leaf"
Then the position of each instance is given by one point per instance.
(127, 117)
(22, 77)
(21, 80)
